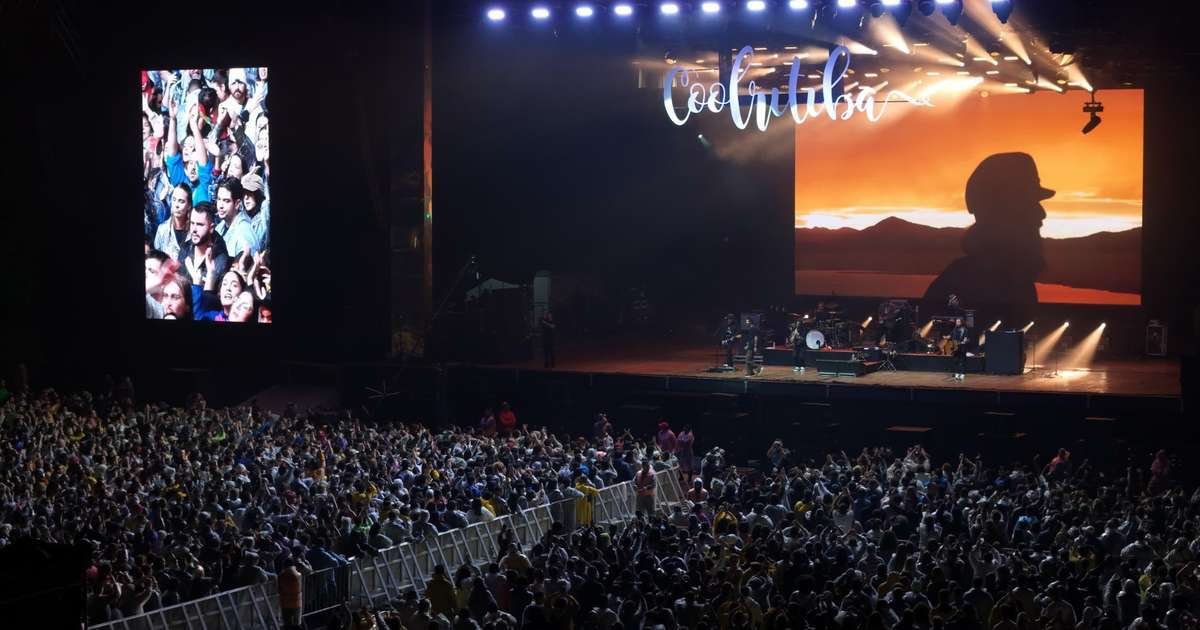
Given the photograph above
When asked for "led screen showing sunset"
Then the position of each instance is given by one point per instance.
(914, 164)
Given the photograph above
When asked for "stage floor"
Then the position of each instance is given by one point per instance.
(1134, 377)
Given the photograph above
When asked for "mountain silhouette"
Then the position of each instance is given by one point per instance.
(1108, 261)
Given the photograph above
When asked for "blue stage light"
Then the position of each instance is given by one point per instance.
(623, 10)
(584, 11)
(540, 13)
(496, 14)
(756, 5)
(669, 8)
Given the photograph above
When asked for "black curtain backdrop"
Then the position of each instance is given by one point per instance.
(549, 156)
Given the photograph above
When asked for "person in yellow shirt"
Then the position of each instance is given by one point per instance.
(584, 511)
(725, 521)
(364, 492)
(487, 502)
(440, 591)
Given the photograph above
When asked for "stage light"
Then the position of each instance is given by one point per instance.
(925, 7)
(867, 321)
(1003, 9)
(797, 5)
(952, 9)
(623, 10)
(496, 14)
(846, 4)
(756, 5)
(1027, 327)
(540, 13)
(1066, 325)
(669, 8)
(710, 7)
(995, 326)
(891, 3)
(1092, 108)
(584, 11)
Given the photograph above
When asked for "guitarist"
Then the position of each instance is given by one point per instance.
(958, 343)
(799, 347)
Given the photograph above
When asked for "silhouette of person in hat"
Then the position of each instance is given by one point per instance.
(1004, 247)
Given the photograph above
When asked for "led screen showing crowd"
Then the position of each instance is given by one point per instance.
(996, 198)
(206, 219)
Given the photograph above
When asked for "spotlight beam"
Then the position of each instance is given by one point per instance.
(1083, 353)
(1043, 348)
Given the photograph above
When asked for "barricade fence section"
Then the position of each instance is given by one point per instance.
(385, 576)
(326, 589)
(249, 607)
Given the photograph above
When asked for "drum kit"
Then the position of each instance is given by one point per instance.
(826, 328)
(896, 330)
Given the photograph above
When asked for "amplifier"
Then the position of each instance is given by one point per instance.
(1005, 352)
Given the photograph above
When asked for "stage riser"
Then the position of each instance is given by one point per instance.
(910, 362)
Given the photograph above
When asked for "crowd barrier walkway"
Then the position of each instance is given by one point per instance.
(383, 578)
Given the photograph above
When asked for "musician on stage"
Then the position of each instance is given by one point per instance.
(727, 335)
(750, 335)
(799, 347)
(960, 337)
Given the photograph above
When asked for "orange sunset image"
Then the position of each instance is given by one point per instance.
(881, 208)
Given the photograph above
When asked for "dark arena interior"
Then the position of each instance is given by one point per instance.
(705, 314)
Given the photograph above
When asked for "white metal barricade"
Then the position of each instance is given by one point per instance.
(397, 569)
(249, 608)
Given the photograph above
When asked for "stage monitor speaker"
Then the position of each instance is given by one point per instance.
(1156, 339)
(1005, 352)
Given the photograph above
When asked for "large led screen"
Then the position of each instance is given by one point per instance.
(996, 199)
(206, 168)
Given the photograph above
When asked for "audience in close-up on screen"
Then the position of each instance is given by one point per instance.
(206, 168)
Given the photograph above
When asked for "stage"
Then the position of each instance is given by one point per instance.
(1153, 381)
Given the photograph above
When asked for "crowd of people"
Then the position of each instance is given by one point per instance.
(877, 541)
(180, 503)
(206, 166)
